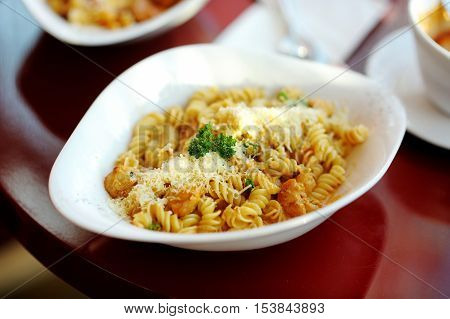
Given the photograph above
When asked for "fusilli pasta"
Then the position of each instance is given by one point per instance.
(233, 159)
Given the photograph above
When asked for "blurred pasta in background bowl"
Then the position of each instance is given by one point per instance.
(109, 13)
(227, 152)
(105, 22)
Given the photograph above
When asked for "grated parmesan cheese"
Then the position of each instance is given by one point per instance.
(180, 173)
(251, 119)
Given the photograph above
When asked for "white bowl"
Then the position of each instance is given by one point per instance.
(169, 77)
(434, 60)
(97, 36)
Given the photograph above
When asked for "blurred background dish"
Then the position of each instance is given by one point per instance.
(110, 14)
(436, 23)
(396, 67)
(114, 28)
(429, 20)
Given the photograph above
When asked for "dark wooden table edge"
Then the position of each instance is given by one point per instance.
(64, 260)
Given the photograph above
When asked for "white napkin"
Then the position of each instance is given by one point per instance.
(339, 26)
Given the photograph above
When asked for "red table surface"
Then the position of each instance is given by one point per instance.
(392, 242)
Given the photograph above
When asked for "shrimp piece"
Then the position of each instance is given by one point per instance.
(183, 203)
(119, 182)
(292, 198)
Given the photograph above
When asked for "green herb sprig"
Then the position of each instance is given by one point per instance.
(202, 143)
(282, 96)
(224, 145)
(249, 182)
(154, 226)
(205, 141)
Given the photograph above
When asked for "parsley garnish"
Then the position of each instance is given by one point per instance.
(224, 145)
(202, 143)
(282, 96)
(205, 141)
(250, 182)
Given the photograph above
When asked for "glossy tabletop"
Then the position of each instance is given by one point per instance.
(392, 242)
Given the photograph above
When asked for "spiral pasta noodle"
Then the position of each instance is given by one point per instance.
(327, 183)
(190, 224)
(356, 135)
(282, 167)
(208, 95)
(263, 181)
(210, 218)
(235, 182)
(175, 116)
(246, 95)
(323, 148)
(168, 221)
(223, 191)
(273, 213)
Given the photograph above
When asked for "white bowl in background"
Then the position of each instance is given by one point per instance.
(434, 60)
(97, 36)
(396, 68)
(169, 77)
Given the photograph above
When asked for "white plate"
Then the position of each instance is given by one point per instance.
(97, 36)
(169, 77)
(395, 66)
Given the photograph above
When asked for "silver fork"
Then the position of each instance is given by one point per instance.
(298, 41)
